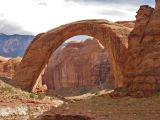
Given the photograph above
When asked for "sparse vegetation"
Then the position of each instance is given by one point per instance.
(12, 98)
(158, 93)
(39, 95)
(9, 92)
(33, 95)
(7, 89)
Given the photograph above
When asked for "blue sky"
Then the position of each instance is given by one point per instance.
(36, 16)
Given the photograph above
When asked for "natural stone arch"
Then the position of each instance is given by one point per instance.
(111, 35)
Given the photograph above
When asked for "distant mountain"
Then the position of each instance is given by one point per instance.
(14, 45)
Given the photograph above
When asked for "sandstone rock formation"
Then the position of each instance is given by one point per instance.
(111, 35)
(8, 66)
(143, 64)
(79, 63)
(129, 24)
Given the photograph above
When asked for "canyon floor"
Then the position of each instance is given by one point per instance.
(16, 104)
(106, 108)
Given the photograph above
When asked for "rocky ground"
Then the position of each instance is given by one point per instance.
(105, 108)
(16, 104)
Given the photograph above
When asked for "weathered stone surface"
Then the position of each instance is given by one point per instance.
(112, 36)
(143, 64)
(129, 24)
(78, 64)
(8, 66)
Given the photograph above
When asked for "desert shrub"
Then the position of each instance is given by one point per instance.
(7, 89)
(122, 90)
(33, 96)
(41, 95)
(158, 93)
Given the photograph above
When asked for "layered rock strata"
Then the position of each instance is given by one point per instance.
(143, 64)
(78, 64)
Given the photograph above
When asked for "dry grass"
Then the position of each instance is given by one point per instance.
(9, 92)
(36, 103)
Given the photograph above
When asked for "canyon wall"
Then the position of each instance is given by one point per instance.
(79, 63)
(143, 64)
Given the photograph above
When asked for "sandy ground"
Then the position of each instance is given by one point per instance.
(106, 108)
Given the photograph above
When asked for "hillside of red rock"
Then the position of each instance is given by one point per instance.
(129, 24)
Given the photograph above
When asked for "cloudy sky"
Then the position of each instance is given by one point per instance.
(35, 16)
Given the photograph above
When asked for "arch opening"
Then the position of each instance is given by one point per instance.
(78, 66)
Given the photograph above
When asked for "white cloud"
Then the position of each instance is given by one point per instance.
(9, 28)
(41, 2)
(41, 15)
(1, 15)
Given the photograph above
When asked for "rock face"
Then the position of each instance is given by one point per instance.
(111, 35)
(14, 45)
(78, 64)
(143, 64)
(8, 66)
(129, 24)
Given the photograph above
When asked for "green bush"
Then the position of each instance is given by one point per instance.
(7, 89)
(41, 96)
(158, 93)
(33, 96)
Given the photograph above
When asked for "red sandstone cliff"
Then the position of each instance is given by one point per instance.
(143, 64)
(129, 24)
(78, 64)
